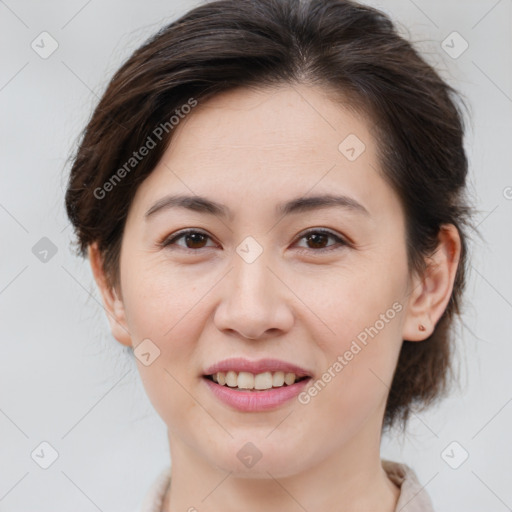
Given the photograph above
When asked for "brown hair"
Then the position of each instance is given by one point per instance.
(348, 48)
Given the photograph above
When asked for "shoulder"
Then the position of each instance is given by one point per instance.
(413, 497)
(153, 500)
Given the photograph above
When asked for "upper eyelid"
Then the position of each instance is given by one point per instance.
(323, 231)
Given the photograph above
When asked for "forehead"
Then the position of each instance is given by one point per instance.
(276, 121)
(268, 144)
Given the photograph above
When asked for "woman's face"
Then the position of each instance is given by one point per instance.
(252, 284)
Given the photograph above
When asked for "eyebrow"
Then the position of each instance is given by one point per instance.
(299, 205)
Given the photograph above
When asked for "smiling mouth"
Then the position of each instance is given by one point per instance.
(249, 382)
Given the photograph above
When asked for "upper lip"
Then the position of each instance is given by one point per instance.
(240, 364)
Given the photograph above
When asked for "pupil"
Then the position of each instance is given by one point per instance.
(314, 237)
(196, 238)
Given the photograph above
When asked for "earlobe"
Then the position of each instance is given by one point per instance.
(430, 293)
(113, 305)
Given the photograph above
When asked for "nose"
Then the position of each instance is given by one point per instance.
(255, 302)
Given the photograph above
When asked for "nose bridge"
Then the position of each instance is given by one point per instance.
(252, 280)
(252, 302)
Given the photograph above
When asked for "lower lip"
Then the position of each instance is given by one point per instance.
(255, 401)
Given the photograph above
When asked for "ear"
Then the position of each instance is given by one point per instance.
(431, 292)
(113, 305)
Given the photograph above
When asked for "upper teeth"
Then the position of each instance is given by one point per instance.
(246, 380)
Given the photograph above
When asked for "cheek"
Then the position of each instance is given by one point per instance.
(358, 304)
(364, 312)
(359, 367)
(170, 319)
(165, 308)
(160, 298)
(172, 376)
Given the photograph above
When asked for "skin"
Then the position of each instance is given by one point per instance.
(249, 150)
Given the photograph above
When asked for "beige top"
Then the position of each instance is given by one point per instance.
(413, 498)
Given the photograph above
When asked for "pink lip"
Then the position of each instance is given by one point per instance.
(256, 401)
(239, 364)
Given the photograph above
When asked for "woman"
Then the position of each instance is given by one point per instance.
(271, 195)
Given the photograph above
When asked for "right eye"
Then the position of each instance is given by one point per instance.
(193, 240)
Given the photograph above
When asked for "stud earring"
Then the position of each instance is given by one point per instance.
(421, 327)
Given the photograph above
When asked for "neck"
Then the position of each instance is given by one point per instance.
(351, 478)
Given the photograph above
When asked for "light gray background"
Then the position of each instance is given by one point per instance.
(65, 380)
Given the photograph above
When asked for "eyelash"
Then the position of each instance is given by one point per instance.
(166, 242)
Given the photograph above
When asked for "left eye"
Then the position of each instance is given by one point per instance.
(196, 240)
(319, 236)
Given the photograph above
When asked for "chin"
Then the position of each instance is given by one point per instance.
(257, 458)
